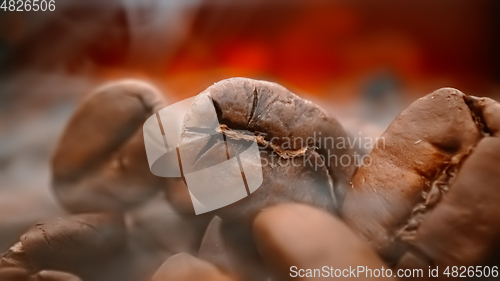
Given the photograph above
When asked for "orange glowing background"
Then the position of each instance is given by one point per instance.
(325, 48)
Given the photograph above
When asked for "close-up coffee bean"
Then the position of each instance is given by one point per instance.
(463, 229)
(295, 163)
(427, 157)
(297, 166)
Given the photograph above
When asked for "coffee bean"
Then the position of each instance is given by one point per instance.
(20, 274)
(100, 163)
(463, 229)
(14, 274)
(50, 275)
(295, 236)
(412, 171)
(290, 132)
(74, 244)
(184, 267)
(230, 245)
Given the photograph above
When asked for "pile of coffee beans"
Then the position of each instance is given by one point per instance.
(426, 198)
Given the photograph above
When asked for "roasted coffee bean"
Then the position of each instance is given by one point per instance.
(469, 209)
(290, 132)
(50, 275)
(230, 246)
(184, 267)
(297, 163)
(75, 244)
(20, 274)
(413, 170)
(486, 113)
(291, 237)
(177, 194)
(14, 274)
(463, 229)
(100, 163)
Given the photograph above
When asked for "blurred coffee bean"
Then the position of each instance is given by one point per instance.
(156, 231)
(50, 275)
(295, 236)
(21, 208)
(100, 163)
(78, 244)
(177, 193)
(184, 267)
(19, 274)
(230, 246)
(14, 274)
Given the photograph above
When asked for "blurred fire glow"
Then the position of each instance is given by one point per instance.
(325, 48)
